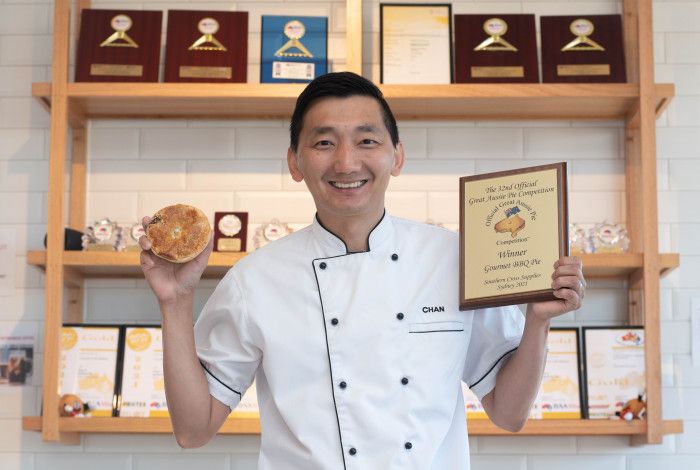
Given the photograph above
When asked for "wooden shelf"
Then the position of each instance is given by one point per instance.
(276, 101)
(251, 425)
(102, 264)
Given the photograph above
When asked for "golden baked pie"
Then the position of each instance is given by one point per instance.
(178, 233)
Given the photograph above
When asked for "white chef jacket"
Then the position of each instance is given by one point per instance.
(357, 357)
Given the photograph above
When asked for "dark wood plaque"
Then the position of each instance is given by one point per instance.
(513, 226)
(118, 46)
(230, 231)
(206, 46)
(578, 49)
(495, 49)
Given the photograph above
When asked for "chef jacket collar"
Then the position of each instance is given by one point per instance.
(330, 240)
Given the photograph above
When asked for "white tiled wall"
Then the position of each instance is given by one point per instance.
(137, 166)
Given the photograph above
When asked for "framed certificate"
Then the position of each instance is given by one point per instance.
(416, 43)
(513, 227)
(142, 391)
(560, 395)
(614, 370)
(88, 365)
(294, 49)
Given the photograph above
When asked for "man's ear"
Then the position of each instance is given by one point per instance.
(398, 160)
(294, 170)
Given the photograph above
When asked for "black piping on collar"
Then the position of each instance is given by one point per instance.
(369, 248)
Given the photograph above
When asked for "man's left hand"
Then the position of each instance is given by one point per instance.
(569, 288)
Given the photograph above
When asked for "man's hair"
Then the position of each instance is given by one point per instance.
(339, 85)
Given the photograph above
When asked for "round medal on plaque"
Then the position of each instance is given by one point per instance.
(230, 229)
(103, 235)
(609, 238)
(269, 232)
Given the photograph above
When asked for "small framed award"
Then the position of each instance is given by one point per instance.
(416, 43)
(142, 388)
(206, 46)
(582, 49)
(88, 365)
(614, 370)
(513, 227)
(561, 394)
(118, 46)
(230, 231)
(294, 49)
(495, 49)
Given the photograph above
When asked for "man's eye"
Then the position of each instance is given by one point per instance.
(323, 144)
(368, 142)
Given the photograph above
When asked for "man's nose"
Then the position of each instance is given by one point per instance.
(346, 158)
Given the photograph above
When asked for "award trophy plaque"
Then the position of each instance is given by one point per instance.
(230, 231)
(513, 227)
(206, 46)
(582, 49)
(294, 49)
(118, 46)
(103, 235)
(609, 238)
(495, 49)
(269, 232)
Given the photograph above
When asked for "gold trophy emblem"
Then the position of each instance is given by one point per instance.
(513, 223)
(294, 30)
(207, 42)
(582, 28)
(120, 24)
(495, 28)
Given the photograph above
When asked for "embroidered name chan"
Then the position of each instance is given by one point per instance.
(434, 309)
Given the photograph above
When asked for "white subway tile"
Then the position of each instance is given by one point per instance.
(683, 76)
(666, 304)
(407, 204)
(24, 175)
(684, 174)
(113, 175)
(620, 445)
(81, 461)
(662, 175)
(117, 206)
(678, 50)
(431, 175)
(486, 7)
(591, 175)
(234, 175)
(23, 304)
(675, 337)
(678, 142)
(586, 207)
(572, 143)
(414, 142)
(581, 462)
(684, 111)
(25, 50)
(672, 403)
(659, 48)
(667, 370)
(603, 306)
(22, 144)
(498, 462)
(17, 402)
(443, 207)
(187, 144)
(26, 277)
(655, 462)
(130, 443)
(488, 166)
(184, 461)
(17, 81)
(18, 113)
(687, 274)
(286, 206)
(227, 444)
(257, 9)
(337, 46)
(452, 143)
(103, 305)
(527, 445)
(689, 441)
(114, 144)
(337, 21)
(269, 143)
(676, 17)
(27, 236)
(208, 201)
(685, 373)
(19, 461)
(138, 123)
(681, 302)
(24, 19)
(572, 8)
(686, 238)
(21, 208)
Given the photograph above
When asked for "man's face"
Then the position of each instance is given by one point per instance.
(346, 157)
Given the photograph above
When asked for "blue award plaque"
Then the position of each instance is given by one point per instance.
(294, 48)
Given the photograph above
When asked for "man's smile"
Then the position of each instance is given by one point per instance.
(350, 185)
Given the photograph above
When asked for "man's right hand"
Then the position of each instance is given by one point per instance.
(172, 282)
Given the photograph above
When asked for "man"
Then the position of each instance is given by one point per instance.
(352, 370)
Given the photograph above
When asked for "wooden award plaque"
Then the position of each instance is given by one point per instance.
(206, 46)
(230, 231)
(513, 226)
(118, 46)
(495, 49)
(582, 49)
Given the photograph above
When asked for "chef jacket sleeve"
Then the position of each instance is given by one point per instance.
(224, 345)
(495, 335)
